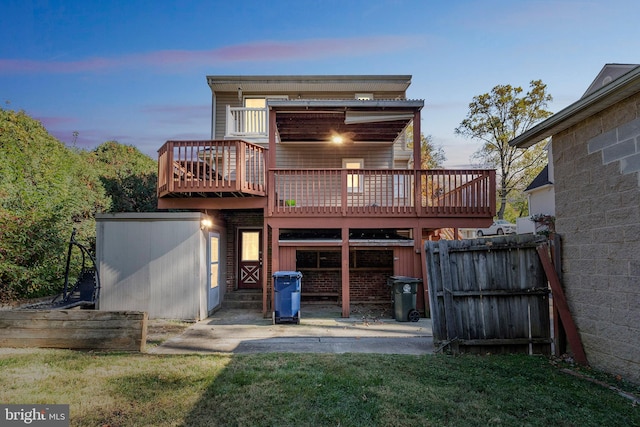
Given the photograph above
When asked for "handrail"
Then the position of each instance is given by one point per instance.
(243, 121)
(211, 166)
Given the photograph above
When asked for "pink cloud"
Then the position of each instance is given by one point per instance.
(259, 51)
(53, 121)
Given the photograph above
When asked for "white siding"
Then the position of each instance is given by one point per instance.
(154, 263)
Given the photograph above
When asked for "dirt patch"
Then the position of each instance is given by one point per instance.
(160, 330)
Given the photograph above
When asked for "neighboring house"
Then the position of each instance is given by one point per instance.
(317, 174)
(596, 164)
(540, 199)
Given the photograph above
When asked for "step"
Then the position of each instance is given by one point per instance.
(243, 300)
(243, 305)
(244, 295)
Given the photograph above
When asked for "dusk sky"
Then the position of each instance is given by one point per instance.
(135, 71)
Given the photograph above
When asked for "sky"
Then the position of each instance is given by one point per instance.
(135, 71)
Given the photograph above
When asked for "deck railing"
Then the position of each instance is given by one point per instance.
(246, 122)
(238, 168)
(384, 192)
(211, 167)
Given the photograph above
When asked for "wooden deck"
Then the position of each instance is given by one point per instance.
(212, 170)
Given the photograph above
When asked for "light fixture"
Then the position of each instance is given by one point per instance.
(206, 223)
(239, 93)
(337, 139)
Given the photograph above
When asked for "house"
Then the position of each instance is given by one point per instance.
(319, 174)
(596, 166)
(540, 199)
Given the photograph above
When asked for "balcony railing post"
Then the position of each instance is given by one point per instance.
(343, 191)
(241, 159)
(230, 122)
(169, 167)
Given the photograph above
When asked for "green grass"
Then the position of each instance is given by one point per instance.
(309, 390)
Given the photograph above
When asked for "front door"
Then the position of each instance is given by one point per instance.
(250, 259)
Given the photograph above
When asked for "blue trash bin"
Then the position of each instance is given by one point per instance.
(286, 286)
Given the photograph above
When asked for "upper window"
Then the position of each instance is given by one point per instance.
(364, 96)
(354, 180)
(255, 102)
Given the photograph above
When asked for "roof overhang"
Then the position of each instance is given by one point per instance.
(336, 83)
(619, 89)
(356, 121)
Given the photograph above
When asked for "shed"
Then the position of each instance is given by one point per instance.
(166, 264)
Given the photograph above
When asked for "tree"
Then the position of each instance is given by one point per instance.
(431, 156)
(128, 176)
(46, 190)
(497, 117)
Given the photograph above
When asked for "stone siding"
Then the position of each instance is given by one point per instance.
(597, 187)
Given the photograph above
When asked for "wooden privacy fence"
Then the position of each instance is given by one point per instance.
(489, 295)
(74, 329)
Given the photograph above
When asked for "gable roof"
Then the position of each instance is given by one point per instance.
(609, 73)
(591, 103)
(540, 181)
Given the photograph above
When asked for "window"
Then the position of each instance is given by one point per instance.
(214, 260)
(250, 250)
(254, 118)
(354, 180)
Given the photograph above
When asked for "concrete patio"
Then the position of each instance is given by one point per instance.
(321, 330)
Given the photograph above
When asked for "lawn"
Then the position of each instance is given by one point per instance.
(107, 389)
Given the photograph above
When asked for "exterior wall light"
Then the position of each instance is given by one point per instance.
(206, 223)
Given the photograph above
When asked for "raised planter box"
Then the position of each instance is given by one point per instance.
(74, 329)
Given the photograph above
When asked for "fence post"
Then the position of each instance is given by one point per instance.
(560, 301)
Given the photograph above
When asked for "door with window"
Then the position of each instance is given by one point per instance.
(250, 259)
(213, 297)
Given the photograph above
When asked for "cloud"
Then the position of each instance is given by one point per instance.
(262, 51)
(54, 121)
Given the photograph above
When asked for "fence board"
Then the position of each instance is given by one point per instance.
(489, 293)
(74, 329)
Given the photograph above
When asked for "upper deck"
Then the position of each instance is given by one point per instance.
(216, 174)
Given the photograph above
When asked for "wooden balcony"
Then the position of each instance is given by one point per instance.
(383, 192)
(211, 169)
(197, 171)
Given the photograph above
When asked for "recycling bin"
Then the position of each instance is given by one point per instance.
(404, 291)
(286, 286)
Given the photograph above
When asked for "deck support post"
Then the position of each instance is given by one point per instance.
(345, 273)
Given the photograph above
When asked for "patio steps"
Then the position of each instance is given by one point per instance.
(246, 299)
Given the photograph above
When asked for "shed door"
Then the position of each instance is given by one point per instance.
(250, 259)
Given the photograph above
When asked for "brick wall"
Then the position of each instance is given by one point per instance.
(597, 186)
(370, 286)
(321, 281)
(368, 273)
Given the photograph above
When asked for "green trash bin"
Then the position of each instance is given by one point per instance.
(404, 292)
